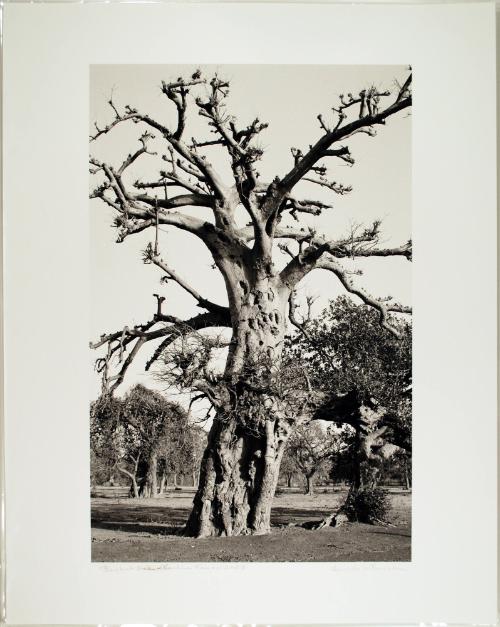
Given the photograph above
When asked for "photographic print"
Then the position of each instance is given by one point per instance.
(250, 353)
(220, 344)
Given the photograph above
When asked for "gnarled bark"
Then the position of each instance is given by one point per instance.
(240, 467)
(238, 479)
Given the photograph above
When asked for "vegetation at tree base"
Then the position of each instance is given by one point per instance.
(367, 505)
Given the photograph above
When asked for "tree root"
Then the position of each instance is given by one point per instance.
(382, 523)
(337, 519)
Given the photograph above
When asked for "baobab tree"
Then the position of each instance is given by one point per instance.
(258, 401)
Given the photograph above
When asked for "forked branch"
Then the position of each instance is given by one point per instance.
(383, 307)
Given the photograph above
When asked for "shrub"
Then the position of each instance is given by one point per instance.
(367, 505)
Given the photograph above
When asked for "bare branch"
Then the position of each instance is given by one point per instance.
(338, 188)
(359, 251)
(305, 162)
(183, 166)
(379, 305)
(243, 156)
(145, 137)
(177, 92)
(175, 181)
(360, 243)
(173, 138)
(139, 211)
(314, 207)
(174, 276)
(201, 321)
(117, 342)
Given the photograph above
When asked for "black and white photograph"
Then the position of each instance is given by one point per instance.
(251, 332)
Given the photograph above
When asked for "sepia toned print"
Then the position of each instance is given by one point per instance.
(251, 313)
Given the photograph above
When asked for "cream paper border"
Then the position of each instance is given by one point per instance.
(47, 53)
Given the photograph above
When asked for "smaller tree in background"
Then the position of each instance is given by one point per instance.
(178, 453)
(106, 440)
(116, 444)
(158, 423)
(398, 468)
(101, 471)
(198, 444)
(365, 370)
(343, 461)
(311, 448)
(346, 348)
(130, 461)
(132, 434)
(288, 468)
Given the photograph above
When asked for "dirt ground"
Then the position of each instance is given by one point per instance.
(147, 530)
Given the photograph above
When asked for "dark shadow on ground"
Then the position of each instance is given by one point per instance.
(388, 532)
(283, 515)
(148, 530)
(133, 518)
(159, 530)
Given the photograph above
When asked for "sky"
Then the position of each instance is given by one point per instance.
(289, 98)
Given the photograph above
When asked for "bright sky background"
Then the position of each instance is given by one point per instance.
(288, 97)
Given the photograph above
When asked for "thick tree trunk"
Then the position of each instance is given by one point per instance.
(237, 482)
(240, 467)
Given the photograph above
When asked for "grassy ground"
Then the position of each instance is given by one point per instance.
(146, 530)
